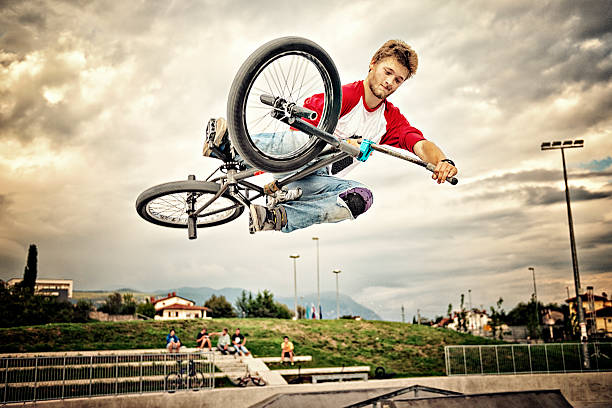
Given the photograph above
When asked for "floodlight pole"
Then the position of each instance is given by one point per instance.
(337, 272)
(318, 286)
(583, 334)
(294, 257)
(535, 295)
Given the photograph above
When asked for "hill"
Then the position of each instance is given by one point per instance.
(404, 349)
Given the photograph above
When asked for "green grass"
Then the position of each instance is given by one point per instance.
(404, 349)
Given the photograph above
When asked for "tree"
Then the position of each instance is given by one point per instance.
(263, 305)
(301, 310)
(112, 304)
(243, 303)
(146, 309)
(128, 305)
(220, 306)
(463, 315)
(81, 311)
(31, 269)
(497, 316)
(449, 310)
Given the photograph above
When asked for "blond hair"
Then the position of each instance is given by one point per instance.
(401, 51)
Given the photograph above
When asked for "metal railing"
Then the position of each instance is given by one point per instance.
(525, 358)
(46, 378)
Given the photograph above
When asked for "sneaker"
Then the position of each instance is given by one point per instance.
(216, 140)
(264, 219)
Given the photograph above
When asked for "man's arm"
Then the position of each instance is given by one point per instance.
(429, 152)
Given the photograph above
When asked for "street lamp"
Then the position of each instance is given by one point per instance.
(318, 286)
(294, 257)
(571, 144)
(535, 295)
(337, 271)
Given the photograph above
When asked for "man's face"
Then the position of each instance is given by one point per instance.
(385, 77)
(237, 331)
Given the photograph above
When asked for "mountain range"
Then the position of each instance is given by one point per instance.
(348, 306)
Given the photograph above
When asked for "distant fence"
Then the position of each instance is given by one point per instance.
(525, 358)
(45, 378)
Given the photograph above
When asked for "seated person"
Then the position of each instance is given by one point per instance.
(203, 339)
(239, 341)
(223, 344)
(173, 344)
(286, 350)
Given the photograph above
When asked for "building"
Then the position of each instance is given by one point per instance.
(61, 288)
(174, 307)
(597, 312)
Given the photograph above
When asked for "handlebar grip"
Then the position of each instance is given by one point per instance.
(303, 113)
(267, 99)
(452, 180)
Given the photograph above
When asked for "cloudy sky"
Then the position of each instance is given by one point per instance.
(100, 100)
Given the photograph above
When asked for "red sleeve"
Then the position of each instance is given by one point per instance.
(351, 94)
(399, 132)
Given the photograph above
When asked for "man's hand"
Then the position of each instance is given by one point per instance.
(430, 153)
(442, 171)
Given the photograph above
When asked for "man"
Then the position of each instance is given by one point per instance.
(173, 344)
(223, 344)
(365, 112)
(286, 350)
(239, 341)
(203, 339)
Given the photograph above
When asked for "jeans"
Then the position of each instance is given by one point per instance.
(321, 200)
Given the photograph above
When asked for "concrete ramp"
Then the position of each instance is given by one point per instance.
(534, 399)
(363, 398)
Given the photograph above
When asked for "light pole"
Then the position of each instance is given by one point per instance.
(470, 298)
(294, 257)
(337, 272)
(570, 144)
(318, 286)
(535, 296)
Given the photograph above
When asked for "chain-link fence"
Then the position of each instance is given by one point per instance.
(45, 378)
(526, 358)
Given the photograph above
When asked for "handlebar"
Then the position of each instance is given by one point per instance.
(429, 166)
(290, 109)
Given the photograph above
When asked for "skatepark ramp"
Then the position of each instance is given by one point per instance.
(416, 396)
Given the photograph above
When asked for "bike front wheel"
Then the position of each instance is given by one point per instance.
(294, 69)
(171, 203)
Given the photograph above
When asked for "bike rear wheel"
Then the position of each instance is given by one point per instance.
(170, 204)
(173, 382)
(196, 381)
(294, 69)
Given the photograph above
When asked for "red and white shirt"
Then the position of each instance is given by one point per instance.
(383, 124)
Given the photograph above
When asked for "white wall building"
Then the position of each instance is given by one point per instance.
(174, 307)
(61, 288)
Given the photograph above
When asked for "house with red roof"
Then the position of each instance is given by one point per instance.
(174, 307)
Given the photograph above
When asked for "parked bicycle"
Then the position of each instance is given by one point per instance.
(265, 105)
(248, 377)
(185, 377)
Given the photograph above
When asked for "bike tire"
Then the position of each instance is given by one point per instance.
(166, 204)
(260, 382)
(243, 99)
(173, 381)
(196, 381)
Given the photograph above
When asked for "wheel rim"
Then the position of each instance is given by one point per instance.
(294, 76)
(174, 208)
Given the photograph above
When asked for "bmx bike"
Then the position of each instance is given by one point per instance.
(243, 381)
(272, 132)
(184, 378)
